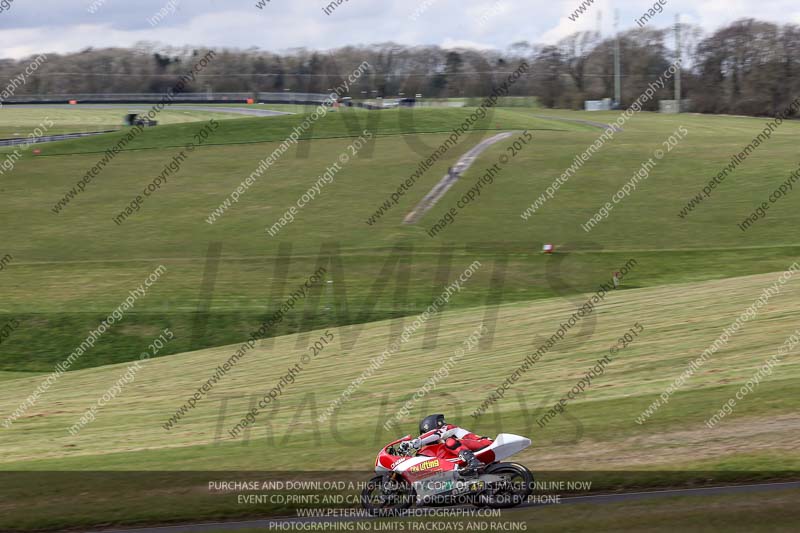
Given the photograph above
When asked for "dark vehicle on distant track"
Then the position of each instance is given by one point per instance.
(133, 119)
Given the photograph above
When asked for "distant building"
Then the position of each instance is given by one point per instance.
(598, 105)
(671, 106)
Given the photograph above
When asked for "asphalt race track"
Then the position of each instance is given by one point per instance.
(133, 108)
(452, 177)
(598, 499)
(140, 107)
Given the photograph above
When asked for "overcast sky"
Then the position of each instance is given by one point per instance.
(33, 26)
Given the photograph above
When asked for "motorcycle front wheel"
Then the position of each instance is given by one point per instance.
(386, 496)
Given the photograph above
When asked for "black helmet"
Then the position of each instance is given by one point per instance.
(431, 422)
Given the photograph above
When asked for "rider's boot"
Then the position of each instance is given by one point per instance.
(472, 464)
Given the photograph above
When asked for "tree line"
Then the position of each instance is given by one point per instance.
(748, 67)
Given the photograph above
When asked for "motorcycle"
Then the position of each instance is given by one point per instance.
(431, 476)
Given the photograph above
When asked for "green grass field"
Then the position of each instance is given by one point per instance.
(693, 277)
(598, 432)
(680, 321)
(82, 264)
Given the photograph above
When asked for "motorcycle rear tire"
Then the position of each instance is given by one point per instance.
(508, 500)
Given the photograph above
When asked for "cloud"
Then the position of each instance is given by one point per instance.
(463, 43)
(282, 24)
(600, 13)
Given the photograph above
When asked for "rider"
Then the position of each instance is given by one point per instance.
(461, 442)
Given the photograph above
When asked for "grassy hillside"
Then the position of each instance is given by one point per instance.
(679, 321)
(344, 122)
(70, 270)
(595, 436)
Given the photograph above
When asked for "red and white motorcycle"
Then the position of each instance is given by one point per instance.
(432, 476)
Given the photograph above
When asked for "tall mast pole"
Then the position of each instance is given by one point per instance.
(617, 81)
(679, 54)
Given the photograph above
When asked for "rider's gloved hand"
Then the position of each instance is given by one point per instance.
(415, 443)
(404, 447)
